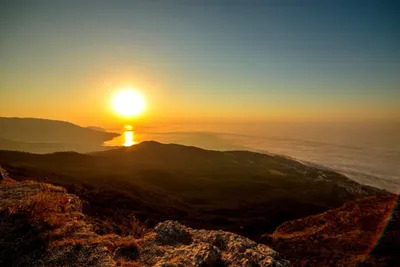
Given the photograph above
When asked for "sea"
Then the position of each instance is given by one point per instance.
(368, 153)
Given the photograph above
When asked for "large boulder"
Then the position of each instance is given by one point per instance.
(172, 244)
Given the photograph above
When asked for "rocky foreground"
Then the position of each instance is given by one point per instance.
(43, 225)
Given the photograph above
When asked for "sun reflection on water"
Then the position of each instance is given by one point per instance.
(129, 136)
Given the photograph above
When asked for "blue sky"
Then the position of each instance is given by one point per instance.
(202, 60)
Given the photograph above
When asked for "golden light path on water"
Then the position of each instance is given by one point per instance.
(129, 135)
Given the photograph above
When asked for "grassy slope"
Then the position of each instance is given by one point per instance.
(363, 231)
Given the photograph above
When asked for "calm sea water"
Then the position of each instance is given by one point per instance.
(367, 153)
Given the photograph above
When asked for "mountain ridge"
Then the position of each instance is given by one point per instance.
(44, 136)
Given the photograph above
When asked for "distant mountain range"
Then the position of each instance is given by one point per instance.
(46, 136)
(99, 129)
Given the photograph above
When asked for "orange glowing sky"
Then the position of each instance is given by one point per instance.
(203, 63)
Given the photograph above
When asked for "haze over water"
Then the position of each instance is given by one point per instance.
(368, 153)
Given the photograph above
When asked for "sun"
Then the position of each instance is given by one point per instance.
(128, 103)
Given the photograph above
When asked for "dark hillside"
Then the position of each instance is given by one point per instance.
(45, 136)
(244, 192)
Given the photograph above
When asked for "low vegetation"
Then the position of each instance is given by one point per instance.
(42, 225)
(39, 223)
(364, 232)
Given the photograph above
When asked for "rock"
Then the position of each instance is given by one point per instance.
(130, 253)
(219, 242)
(192, 255)
(171, 232)
(172, 244)
(72, 255)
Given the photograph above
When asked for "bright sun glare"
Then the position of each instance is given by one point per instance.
(128, 102)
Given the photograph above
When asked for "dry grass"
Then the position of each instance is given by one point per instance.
(58, 212)
(45, 203)
(175, 261)
(54, 220)
(111, 242)
(33, 217)
(7, 182)
(53, 210)
(139, 230)
(123, 263)
(51, 188)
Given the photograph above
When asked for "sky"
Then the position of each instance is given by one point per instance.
(201, 61)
